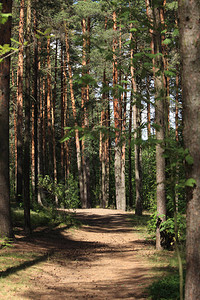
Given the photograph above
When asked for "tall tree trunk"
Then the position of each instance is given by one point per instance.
(120, 202)
(20, 105)
(53, 112)
(87, 120)
(78, 149)
(15, 130)
(44, 105)
(177, 106)
(49, 105)
(5, 219)
(166, 80)
(35, 94)
(62, 108)
(104, 142)
(138, 175)
(83, 105)
(66, 116)
(189, 16)
(27, 221)
(148, 109)
(130, 154)
(12, 116)
(40, 125)
(123, 158)
(136, 128)
(32, 151)
(160, 124)
(84, 101)
(104, 148)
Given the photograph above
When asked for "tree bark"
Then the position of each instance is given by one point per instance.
(84, 102)
(27, 221)
(53, 114)
(104, 147)
(66, 117)
(40, 126)
(43, 125)
(148, 109)
(20, 105)
(5, 217)
(160, 126)
(49, 108)
(130, 154)
(177, 107)
(123, 152)
(189, 16)
(136, 128)
(120, 201)
(104, 141)
(15, 130)
(62, 106)
(35, 94)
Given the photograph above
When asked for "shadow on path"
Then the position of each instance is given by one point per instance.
(101, 270)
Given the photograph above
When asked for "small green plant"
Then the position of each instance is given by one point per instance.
(5, 242)
(168, 227)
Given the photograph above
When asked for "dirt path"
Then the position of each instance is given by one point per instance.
(104, 259)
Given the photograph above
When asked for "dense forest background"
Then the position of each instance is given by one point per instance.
(95, 113)
(96, 108)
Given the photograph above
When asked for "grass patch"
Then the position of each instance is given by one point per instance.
(165, 266)
(139, 223)
(39, 218)
(44, 217)
(165, 288)
(10, 260)
(15, 272)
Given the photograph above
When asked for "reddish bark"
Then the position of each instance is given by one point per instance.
(5, 219)
(20, 105)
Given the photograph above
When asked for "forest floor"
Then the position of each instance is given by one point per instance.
(106, 258)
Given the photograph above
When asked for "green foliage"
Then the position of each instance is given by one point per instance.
(189, 159)
(41, 217)
(165, 288)
(3, 16)
(5, 242)
(151, 225)
(67, 194)
(5, 49)
(191, 182)
(168, 227)
(149, 175)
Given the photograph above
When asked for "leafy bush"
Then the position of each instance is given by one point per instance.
(67, 194)
(169, 227)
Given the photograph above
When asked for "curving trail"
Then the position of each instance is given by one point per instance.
(104, 259)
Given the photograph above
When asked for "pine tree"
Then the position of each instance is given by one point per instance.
(5, 219)
(189, 15)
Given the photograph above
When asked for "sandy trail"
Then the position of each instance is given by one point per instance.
(104, 259)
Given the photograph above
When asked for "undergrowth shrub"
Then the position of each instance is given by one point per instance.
(168, 227)
(165, 288)
(67, 194)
